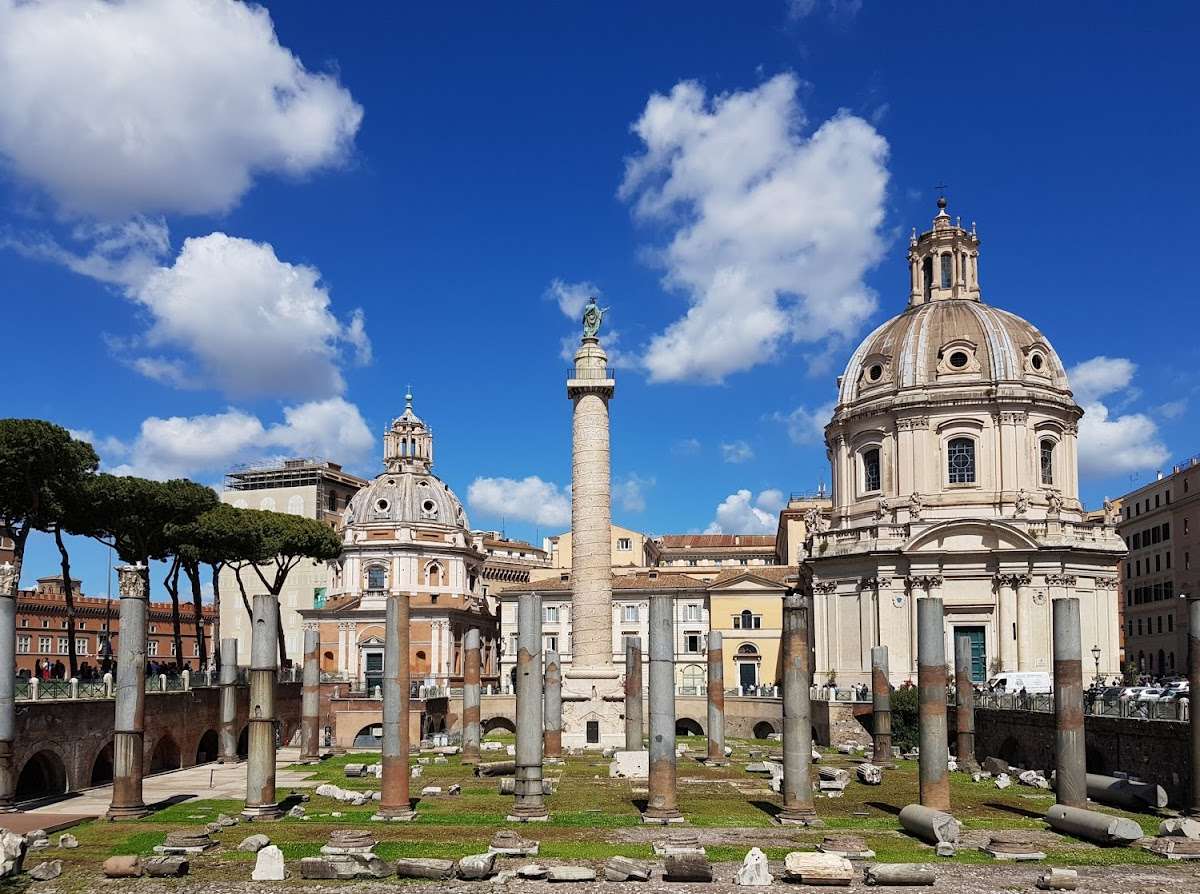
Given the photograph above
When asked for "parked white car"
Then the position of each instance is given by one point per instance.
(1010, 682)
(1151, 694)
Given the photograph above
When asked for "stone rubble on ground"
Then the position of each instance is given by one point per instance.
(994, 766)
(297, 812)
(754, 871)
(36, 839)
(1034, 778)
(12, 853)
(227, 821)
(1002, 781)
(439, 870)
(817, 868)
(680, 841)
(623, 869)
(68, 840)
(254, 843)
(431, 791)
(186, 841)
(869, 774)
(122, 866)
(1182, 827)
(353, 770)
(166, 867)
(269, 866)
(1058, 880)
(570, 874)
(476, 866)
(1013, 845)
(687, 866)
(46, 871)
(531, 871)
(508, 843)
(841, 844)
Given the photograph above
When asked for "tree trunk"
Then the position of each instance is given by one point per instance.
(279, 630)
(172, 584)
(72, 658)
(216, 585)
(192, 570)
(237, 573)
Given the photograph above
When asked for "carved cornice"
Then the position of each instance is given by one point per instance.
(825, 587)
(876, 583)
(1013, 418)
(1060, 580)
(1106, 583)
(912, 423)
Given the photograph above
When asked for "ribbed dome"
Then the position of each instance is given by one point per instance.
(953, 343)
(407, 498)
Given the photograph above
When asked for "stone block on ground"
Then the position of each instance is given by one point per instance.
(570, 874)
(455, 789)
(46, 871)
(296, 812)
(1058, 880)
(123, 866)
(852, 847)
(754, 871)
(809, 868)
(869, 774)
(476, 866)
(945, 849)
(68, 840)
(269, 865)
(166, 867)
(254, 843)
(187, 841)
(12, 853)
(36, 839)
(440, 870)
(496, 768)
(1002, 781)
(1034, 778)
(623, 869)
(1181, 827)
(353, 770)
(834, 774)
(630, 765)
(680, 841)
(1013, 845)
(415, 773)
(440, 760)
(1174, 848)
(687, 866)
(531, 871)
(899, 874)
(349, 841)
(508, 843)
(431, 791)
(994, 766)
(227, 821)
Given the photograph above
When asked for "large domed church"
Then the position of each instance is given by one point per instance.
(953, 447)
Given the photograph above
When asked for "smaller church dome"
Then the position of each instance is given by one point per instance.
(407, 492)
(407, 498)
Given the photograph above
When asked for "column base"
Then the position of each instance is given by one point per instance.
(262, 813)
(714, 762)
(394, 816)
(799, 818)
(230, 760)
(469, 760)
(663, 818)
(531, 816)
(117, 814)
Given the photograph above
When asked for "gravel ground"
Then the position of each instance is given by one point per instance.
(1167, 878)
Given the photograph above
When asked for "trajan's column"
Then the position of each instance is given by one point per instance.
(592, 693)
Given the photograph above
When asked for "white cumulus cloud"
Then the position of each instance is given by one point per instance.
(121, 107)
(743, 513)
(251, 323)
(572, 296)
(772, 226)
(529, 499)
(1112, 444)
(806, 426)
(737, 452)
(199, 446)
(629, 492)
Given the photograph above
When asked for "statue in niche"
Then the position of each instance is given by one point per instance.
(593, 316)
(915, 504)
(1022, 502)
(1055, 502)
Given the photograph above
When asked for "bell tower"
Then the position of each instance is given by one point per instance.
(943, 262)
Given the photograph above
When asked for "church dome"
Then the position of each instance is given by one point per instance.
(407, 497)
(951, 343)
(948, 336)
(407, 493)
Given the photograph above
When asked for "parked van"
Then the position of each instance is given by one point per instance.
(1033, 682)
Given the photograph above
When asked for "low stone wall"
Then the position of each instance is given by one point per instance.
(1153, 750)
(71, 739)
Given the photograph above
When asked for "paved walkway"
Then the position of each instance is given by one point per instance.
(225, 781)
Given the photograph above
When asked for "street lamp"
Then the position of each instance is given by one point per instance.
(1096, 655)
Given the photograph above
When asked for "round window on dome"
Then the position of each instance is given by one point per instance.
(875, 373)
(391, 482)
(959, 359)
(382, 505)
(1037, 361)
(429, 507)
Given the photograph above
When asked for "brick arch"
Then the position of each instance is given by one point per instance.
(101, 772)
(763, 729)
(688, 726)
(207, 747)
(492, 724)
(43, 773)
(165, 755)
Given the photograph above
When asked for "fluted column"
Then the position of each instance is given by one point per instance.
(130, 721)
(264, 675)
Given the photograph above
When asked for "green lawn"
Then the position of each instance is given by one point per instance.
(592, 817)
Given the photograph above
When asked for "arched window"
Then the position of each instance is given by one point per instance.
(433, 574)
(870, 463)
(694, 677)
(376, 578)
(747, 619)
(1047, 457)
(960, 461)
(927, 276)
(947, 270)
(747, 649)
(267, 504)
(295, 505)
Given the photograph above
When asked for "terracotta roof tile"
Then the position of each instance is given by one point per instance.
(710, 541)
(642, 580)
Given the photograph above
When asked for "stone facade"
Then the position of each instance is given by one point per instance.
(953, 449)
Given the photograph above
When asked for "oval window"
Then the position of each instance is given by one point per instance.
(875, 373)
(391, 482)
(1036, 361)
(382, 505)
(959, 359)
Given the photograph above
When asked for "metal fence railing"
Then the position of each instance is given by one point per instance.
(33, 689)
(1172, 709)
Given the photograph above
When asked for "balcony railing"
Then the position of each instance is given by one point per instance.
(33, 689)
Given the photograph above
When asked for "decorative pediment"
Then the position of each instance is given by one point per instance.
(969, 535)
(748, 580)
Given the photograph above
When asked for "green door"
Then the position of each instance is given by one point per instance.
(978, 651)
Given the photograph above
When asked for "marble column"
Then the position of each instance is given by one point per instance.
(9, 579)
(227, 680)
(130, 721)
(395, 803)
(716, 700)
(310, 698)
(662, 804)
(264, 675)
(471, 726)
(530, 805)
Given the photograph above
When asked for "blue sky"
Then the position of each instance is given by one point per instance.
(232, 233)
